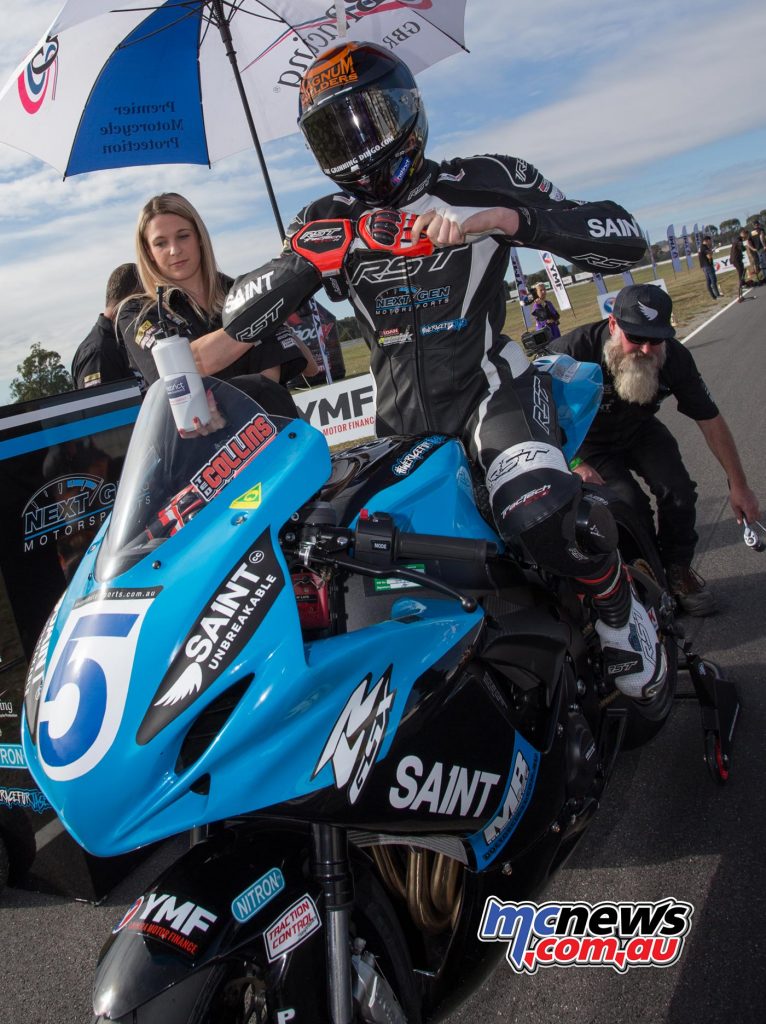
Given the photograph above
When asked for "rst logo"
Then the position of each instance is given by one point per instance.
(402, 268)
(64, 506)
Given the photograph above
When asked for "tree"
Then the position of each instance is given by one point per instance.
(41, 374)
(710, 229)
(730, 225)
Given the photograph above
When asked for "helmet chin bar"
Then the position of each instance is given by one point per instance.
(386, 191)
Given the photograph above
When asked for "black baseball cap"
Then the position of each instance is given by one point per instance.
(643, 311)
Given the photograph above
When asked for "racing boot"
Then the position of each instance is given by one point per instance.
(634, 658)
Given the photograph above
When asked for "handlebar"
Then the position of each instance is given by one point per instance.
(431, 546)
(378, 541)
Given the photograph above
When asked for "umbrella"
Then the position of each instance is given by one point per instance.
(139, 82)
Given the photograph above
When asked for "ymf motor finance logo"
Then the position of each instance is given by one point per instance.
(39, 76)
(616, 935)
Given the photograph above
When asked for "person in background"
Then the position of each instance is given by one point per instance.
(643, 363)
(737, 258)
(544, 312)
(761, 234)
(173, 249)
(755, 252)
(708, 266)
(101, 358)
(432, 309)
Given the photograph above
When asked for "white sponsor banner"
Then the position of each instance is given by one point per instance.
(723, 263)
(555, 279)
(343, 411)
(521, 285)
(673, 248)
(606, 301)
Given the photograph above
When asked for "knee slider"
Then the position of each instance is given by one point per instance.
(595, 529)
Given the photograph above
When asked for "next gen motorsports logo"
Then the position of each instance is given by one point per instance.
(66, 505)
(616, 935)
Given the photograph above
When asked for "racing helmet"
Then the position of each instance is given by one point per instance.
(362, 117)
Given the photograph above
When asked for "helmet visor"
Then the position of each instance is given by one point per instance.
(352, 132)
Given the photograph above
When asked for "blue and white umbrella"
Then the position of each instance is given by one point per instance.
(133, 82)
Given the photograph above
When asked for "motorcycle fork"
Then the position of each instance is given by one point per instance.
(332, 870)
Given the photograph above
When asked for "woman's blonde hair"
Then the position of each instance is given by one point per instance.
(172, 202)
(539, 285)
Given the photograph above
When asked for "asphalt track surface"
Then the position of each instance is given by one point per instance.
(664, 829)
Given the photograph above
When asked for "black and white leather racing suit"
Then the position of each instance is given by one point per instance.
(434, 328)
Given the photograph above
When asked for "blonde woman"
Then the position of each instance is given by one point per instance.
(173, 249)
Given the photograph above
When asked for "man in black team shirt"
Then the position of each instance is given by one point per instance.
(432, 310)
(644, 363)
(102, 357)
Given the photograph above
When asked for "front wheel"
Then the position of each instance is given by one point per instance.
(639, 553)
(236, 991)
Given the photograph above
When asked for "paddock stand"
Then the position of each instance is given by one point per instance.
(720, 707)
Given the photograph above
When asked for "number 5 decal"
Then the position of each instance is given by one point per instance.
(86, 687)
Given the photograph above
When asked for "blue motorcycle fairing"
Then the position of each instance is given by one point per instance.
(434, 495)
(577, 390)
(288, 712)
(99, 677)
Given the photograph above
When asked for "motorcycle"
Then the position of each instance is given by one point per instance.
(370, 715)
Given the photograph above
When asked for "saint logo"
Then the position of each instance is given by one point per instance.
(649, 313)
(358, 734)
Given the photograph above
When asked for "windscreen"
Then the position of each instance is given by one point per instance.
(169, 477)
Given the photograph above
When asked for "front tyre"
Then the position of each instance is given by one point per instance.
(236, 991)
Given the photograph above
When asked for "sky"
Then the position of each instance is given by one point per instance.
(655, 105)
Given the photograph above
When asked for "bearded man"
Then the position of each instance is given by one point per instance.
(643, 363)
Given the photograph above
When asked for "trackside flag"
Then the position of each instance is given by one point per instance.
(521, 284)
(555, 279)
(673, 248)
(651, 255)
(687, 247)
(697, 237)
(600, 283)
(627, 277)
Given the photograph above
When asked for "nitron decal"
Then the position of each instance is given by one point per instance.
(257, 895)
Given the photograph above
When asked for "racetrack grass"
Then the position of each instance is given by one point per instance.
(691, 305)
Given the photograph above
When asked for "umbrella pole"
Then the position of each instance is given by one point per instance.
(231, 53)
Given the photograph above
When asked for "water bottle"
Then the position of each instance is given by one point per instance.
(183, 384)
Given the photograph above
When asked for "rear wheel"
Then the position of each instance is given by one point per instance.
(639, 553)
